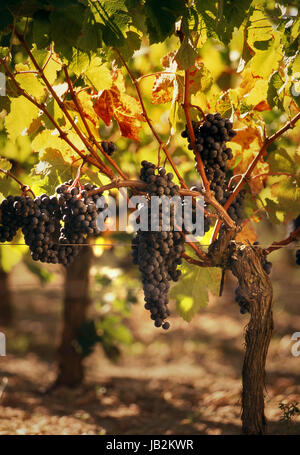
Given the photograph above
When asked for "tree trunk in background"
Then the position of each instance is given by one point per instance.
(76, 302)
(6, 310)
(256, 287)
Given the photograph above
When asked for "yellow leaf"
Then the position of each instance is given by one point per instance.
(30, 82)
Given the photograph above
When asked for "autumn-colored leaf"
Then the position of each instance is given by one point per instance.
(200, 77)
(247, 234)
(86, 104)
(250, 141)
(104, 106)
(166, 87)
(262, 106)
(162, 91)
(125, 109)
(245, 136)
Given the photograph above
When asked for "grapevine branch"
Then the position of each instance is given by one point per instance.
(193, 261)
(160, 142)
(90, 134)
(207, 195)
(63, 135)
(268, 174)
(246, 176)
(139, 185)
(63, 107)
(23, 187)
(277, 245)
(186, 107)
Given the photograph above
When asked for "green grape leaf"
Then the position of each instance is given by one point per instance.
(90, 38)
(275, 83)
(22, 113)
(233, 15)
(296, 64)
(288, 196)
(20, 150)
(66, 27)
(92, 69)
(6, 17)
(161, 16)
(53, 169)
(5, 165)
(113, 17)
(284, 160)
(208, 16)
(51, 63)
(264, 63)
(10, 255)
(191, 291)
(131, 44)
(41, 28)
(186, 54)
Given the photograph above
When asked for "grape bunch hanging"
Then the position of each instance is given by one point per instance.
(158, 253)
(210, 142)
(55, 226)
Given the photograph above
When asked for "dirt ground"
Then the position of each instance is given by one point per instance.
(184, 381)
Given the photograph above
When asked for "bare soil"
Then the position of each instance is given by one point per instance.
(184, 381)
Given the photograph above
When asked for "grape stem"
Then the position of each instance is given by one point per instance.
(24, 188)
(277, 245)
(246, 176)
(193, 261)
(186, 107)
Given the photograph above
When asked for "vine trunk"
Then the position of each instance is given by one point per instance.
(256, 287)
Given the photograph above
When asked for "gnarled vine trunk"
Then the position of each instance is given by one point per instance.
(256, 287)
(245, 262)
(76, 302)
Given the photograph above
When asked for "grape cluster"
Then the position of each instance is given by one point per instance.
(158, 253)
(210, 142)
(109, 147)
(55, 226)
(211, 137)
(13, 209)
(241, 301)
